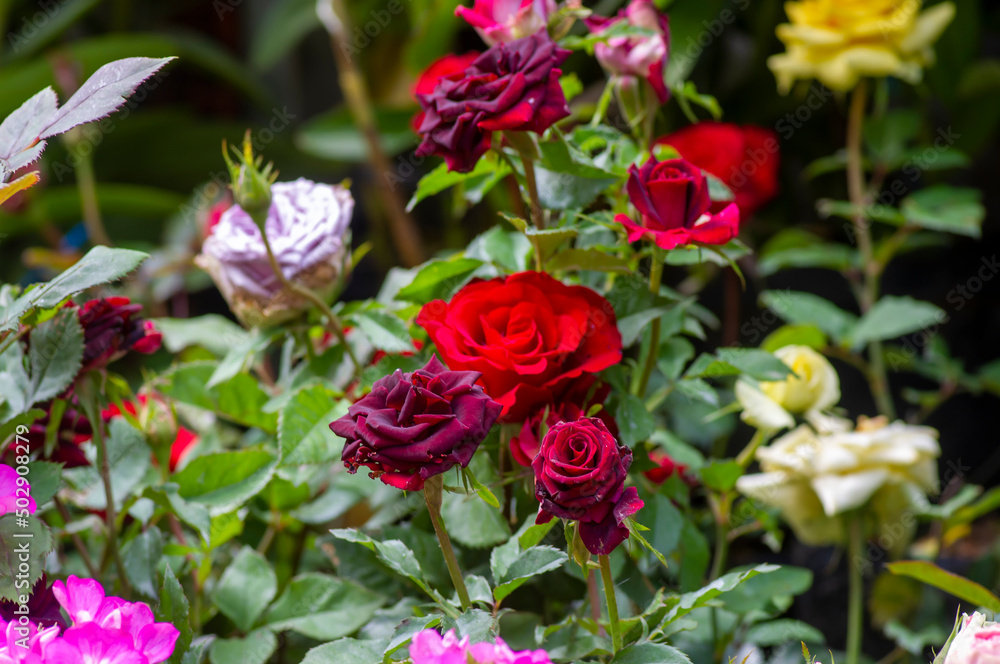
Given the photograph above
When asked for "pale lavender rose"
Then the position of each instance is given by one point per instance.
(307, 226)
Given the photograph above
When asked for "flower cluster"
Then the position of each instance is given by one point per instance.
(104, 630)
(307, 227)
(429, 647)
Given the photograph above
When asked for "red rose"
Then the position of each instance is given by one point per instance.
(510, 87)
(745, 158)
(674, 206)
(445, 67)
(111, 327)
(580, 475)
(666, 467)
(532, 338)
(524, 446)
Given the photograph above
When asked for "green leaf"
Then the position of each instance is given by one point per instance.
(240, 400)
(506, 249)
(304, 427)
(335, 136)
(216, 334)
(224, 481)
(45, 478)
(322, 607)
(945, 208)
(16, 534)
(174, 609)
(587, 259)
(690, 601)
(394, 554)
(141, 557)
(256, 648)
(893, 317)
(721, 475)
(780, 632)
(280, 30)
(476, 624)
(438, 279)
(246, 588)
(953, 584)
(632, 326)
(635, 423)
(408, 629)
(650, 653)
(830, 256)
(758, 364)
(488, 171)
(346, 651)
(794, 335)
(533, 562)
(240, 354)
(385, 330)
(54, 356)
(805, 308)
(100, 265)
(129, 457)
(193, 514)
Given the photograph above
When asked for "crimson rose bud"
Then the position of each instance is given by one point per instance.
(532, 337)
(111, 327)
(674, 206)
(513, 86)
(745, 158)
(580, 474)
(414, 426)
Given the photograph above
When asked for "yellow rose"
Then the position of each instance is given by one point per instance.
(840, 41)
(815, 479)
(813, 387)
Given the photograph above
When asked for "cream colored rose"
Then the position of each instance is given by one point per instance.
(815, 479)
(813, 387)
(841, 41)
(977, 642)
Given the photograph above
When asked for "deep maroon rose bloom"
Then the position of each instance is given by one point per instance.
(675, 209)
(414, 426)
(533, 338)
(43, 608)
(524, 446)
(580, 475)
(74, 430)
(511, 87)
(745, 158)
(111, 327)
(637, 56)
(448, 66)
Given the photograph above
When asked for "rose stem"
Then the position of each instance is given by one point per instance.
(594, 597)
(432, 494)
(655, 277)
(77, 542)
(877, 377)
(609, 593)
(405, 235)
(856, 609)
(86, 183)
(333, 323)
(88, 400)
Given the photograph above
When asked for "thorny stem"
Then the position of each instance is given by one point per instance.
(432, 494)
(609, 593)
(869, 287)
(655, 279)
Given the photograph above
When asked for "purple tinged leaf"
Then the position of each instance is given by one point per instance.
(26, 157)
(22, 127)
(103, 93)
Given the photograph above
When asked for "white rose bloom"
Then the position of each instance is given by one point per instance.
(814, 479)
(977, 642)
(813, 387)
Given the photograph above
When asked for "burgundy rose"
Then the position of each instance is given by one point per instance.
(532, 337)
(414, 426)
(636, 56)
(513, 86)
(580, 475)
(448, 66)
(674, 206)
(524, 446)
(74, 430)
(112, 327)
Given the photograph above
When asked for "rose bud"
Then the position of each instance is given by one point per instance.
(414, 426)
(532, 337)
(674, 206)
(814, 387)
(307, 226)
(449, 66)
(745, 158)
(642, 57)
(111, 327)
(510, 87)
(580, 475)
(499, 21)
(977, 642)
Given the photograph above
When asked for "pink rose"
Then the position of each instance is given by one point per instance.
(977, 642)
(506, 20)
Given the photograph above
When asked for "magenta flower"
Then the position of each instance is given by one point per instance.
(636, 56)
(429, 647)
(12, 643)
(499, 21)
(15, 492)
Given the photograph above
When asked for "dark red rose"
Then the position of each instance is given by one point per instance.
(524, 446)
(580, 475)
(414, 426)
(74, 430)
(510, 87)
(532, 337)
(665, 468)
(446, 67)
(745, 158)
(112, 327)
(674, 206)
(637, 56)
